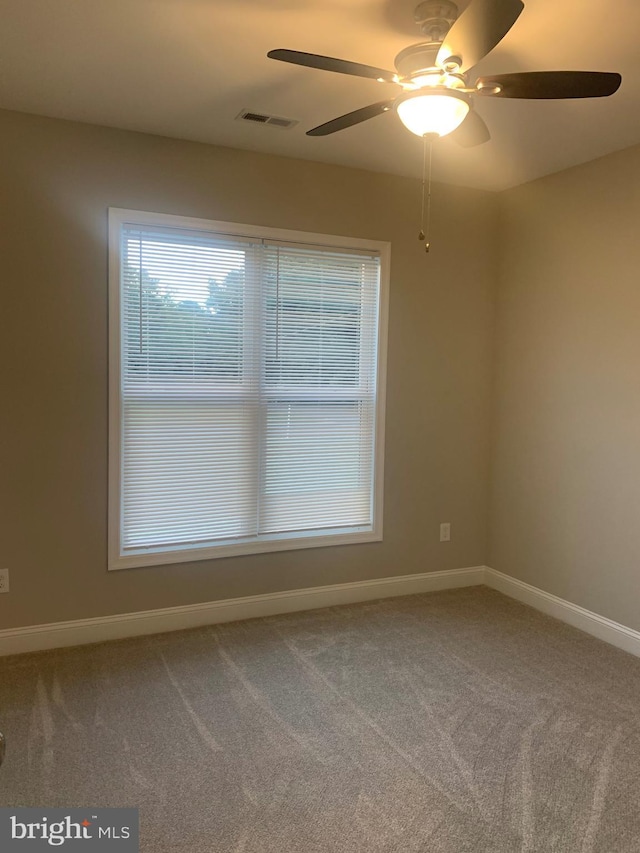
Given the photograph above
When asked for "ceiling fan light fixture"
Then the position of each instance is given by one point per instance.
(438, 111)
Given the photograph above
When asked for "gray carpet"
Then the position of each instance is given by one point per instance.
(449, 722)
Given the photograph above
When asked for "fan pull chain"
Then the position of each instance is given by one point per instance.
(427, 138)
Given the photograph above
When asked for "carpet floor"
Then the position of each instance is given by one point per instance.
(441, 723)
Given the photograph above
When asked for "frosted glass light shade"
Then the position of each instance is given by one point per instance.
(433, 112)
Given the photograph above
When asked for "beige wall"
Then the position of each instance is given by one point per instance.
(566, 463)
(57, 180)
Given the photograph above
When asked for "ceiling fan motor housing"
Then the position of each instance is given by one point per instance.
(417, 64)
(417, 58)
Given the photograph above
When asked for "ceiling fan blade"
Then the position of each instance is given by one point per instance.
(349, 119)
(329, 63)
(550, 84)
(478, 30)
(473, 131)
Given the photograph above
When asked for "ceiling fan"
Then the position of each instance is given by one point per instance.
(436, 99)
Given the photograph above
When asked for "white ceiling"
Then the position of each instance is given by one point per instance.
(185, 68)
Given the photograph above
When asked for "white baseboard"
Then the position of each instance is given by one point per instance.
(58, 634)
(594, 624)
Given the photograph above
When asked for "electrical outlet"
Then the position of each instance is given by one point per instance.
(445, 531)
(4, 580)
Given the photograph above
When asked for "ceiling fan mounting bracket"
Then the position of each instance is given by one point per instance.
(435, 17)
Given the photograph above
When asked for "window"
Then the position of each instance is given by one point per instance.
(246, 393)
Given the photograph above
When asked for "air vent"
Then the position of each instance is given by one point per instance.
(261, 118)
(255, 117)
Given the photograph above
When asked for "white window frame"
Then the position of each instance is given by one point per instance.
(274, 542)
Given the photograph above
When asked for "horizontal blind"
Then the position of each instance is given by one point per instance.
(248, 389)
(189, 388)
(318, 389)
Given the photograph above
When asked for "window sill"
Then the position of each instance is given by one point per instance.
(141, 557)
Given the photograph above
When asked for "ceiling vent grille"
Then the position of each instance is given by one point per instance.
(262, 118)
